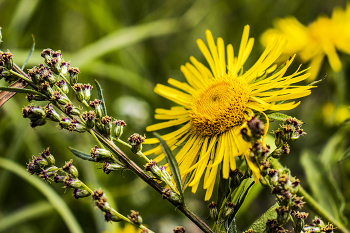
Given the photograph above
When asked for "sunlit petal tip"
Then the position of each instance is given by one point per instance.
(209, 35)
(215, 102)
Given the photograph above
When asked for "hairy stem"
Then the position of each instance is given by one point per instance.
(149, 180)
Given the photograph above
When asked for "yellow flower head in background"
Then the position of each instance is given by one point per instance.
(321, 38)
(335, 115)
(128, 228)
(214, 105)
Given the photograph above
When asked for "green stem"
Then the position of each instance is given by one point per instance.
(312, 203)
(20, 71)
(138, 153)
(293, 223)
(317, 209)
(64, 78)
(127, 220)
(149, 180)
(20, 76)
(98, 141)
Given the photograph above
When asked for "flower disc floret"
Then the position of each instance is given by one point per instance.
(220, 106)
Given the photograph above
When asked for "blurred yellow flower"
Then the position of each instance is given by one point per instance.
(216, 104)
(128, 228)
(321, 38)
(335, 115)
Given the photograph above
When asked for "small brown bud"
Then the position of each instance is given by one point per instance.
(136, 141)
(135, 217)
(179, 229)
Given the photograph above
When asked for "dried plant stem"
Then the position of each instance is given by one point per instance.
(149, 180)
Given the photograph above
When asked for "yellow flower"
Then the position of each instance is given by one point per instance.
(216, 104)
(321, 38)
(335, 115)
(128, 228)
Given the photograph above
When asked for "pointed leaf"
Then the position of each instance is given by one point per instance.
(236, 195)
(22, 90)
(330, 198)
(100, 97)
(260, 224)
(334, 149)
(223, 190)
(174, 167)
(243, 196)
(345, 155)
(278, 116)
(231, 218)
(81, 154)
(30, 53)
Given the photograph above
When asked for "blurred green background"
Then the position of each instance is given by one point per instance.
(129, 46)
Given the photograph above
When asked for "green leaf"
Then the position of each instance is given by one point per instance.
(243, 196)
(174, 167)
(233, 226)
(124, 37)
(223, 190)
(0, 36)
(55, 200)
(20, 90)
(81, 154)
(277, 116)
(260, 224)
(100, 97)
(236, 195)
(319, 178)
(29, 212)
(333, 150)
(116, 73)
(345, 155)
(30, 53)
(231, 219)
(245, 207)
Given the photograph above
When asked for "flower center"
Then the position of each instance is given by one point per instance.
(220, 106)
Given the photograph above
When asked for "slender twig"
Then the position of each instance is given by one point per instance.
(64, 78)
(20, 76)
(138, 153)
(98, 141)
(20, 71)
(149, 180)
(112, 210)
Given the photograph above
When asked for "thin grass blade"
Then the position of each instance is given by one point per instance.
(30, 53)
(174, 167)
(100, 97)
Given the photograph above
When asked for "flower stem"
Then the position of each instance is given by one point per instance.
(20, 71)
(316, 208)
(149, 180)
(20, 76)
(138, 153)
(64, 78)
(98, 141)
(313, 205)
